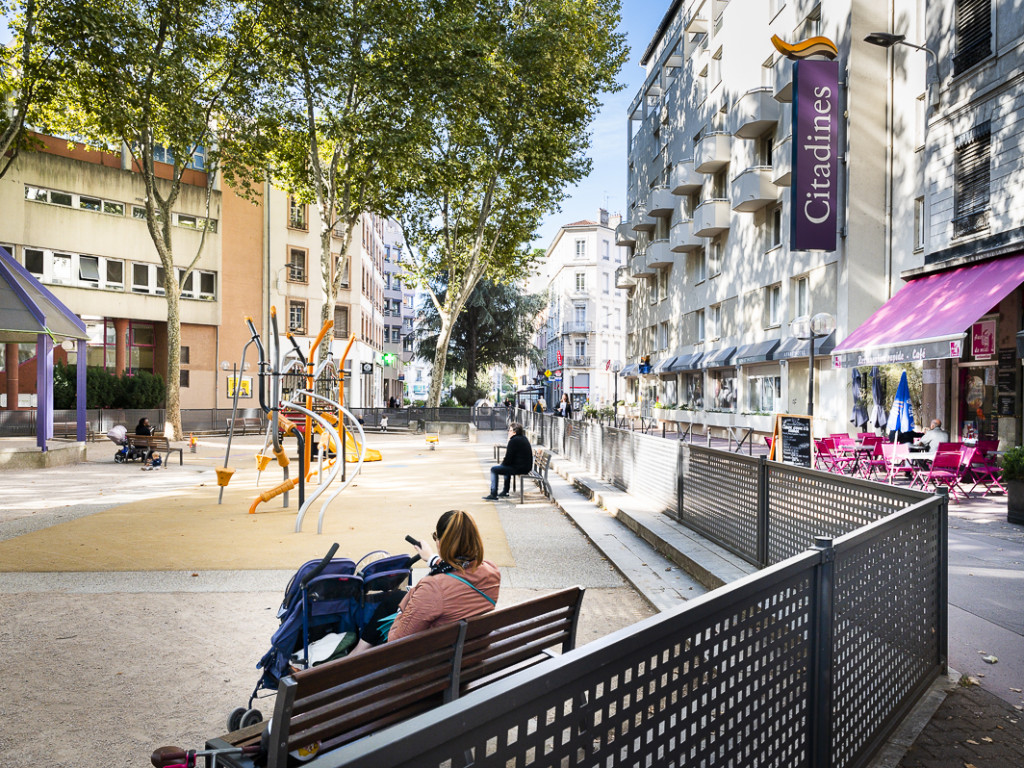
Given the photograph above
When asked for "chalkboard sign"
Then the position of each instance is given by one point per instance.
(1006, 405)
(791, 442)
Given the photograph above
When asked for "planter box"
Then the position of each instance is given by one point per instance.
(1015, 501)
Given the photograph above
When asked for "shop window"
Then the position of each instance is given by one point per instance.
(694, 383)
(971, 177)
(723, 389)
(973, 19)
(764, 394)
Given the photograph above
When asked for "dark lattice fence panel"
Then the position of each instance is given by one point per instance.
(804, 504)
(889, 621)
(719, 498)
(720, 682)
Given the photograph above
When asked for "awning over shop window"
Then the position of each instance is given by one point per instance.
(631, 371)
(794, 347)
(686, 363)
(928, 317)
(718, 358)
(756, 353)
(663, 366)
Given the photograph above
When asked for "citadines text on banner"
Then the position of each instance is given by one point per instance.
(815, 155)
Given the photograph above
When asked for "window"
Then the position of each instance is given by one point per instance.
(60, 198)
(765, 144)
(142, 342)
(183, 377)
(90, 203)
(605, 250)
(297, 214)
(695, 390)
(722, 384)
(663, 284)
(715, 262)
(618, 318)
(663, 336)
(581, 350)
(700, 325)
(115, 273)
(296, 265)
(296, 316)
(184, 355)
(971, 181)
(920, 122)
(34, 261)
(89, 270)
(581, 249)
(147, 278)
(580, 313)
(138, 212)
(195, 222)
(607, 317)
(772, 297)
(714, 322)
(774, 227)
(973, 33)
(62, 268)
(699, 260)
(764, 394)
(341, 322)
(719, 184)
(71, 200)
(581, 281)
(606, 285)
(653, 285)
(803, 299)
(198, 285)
(918, 223)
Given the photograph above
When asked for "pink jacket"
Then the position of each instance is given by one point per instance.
(442, 599)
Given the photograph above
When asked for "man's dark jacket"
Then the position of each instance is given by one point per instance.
(518, 455)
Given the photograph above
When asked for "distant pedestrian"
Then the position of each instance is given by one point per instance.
(565, 406)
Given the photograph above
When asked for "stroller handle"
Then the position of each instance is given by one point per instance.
(320, 567)
(175, 757)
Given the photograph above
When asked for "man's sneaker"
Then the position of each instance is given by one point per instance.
(503, 495)
(490, 497)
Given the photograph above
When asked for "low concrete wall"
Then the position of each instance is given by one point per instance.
(452, 428)
(32, 458)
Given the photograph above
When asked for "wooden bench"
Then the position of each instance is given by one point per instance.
(539, 472)
(70, 429)
(338, 702)
(255, 423)
(158, 443)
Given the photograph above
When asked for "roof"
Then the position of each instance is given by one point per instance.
(27, 309)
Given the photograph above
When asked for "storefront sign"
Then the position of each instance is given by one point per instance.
(983, 339)
(815, 155)
(909, 353)
(791, 440)
(1006, 405)
(244, 386)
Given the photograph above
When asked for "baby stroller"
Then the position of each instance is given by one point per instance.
(326, 605)
(119, 436)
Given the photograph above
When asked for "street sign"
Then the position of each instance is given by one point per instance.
(558, 357)
(367, 368)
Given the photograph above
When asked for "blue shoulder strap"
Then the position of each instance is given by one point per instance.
(472, 587)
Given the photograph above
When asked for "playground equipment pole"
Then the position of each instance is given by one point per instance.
(234, 412)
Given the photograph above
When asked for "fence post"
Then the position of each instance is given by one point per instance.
(681, 456)
(942, 598)
(762, 511)
(823, 616)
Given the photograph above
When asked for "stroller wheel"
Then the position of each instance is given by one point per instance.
(119, 457)
(251, 717)
(235, 719)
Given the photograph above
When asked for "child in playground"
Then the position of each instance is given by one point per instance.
(383, 423)
(153, 462)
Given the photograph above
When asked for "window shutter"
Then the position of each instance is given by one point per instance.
(973, 33)
(972, 176)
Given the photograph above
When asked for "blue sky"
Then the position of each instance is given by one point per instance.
(606, 185)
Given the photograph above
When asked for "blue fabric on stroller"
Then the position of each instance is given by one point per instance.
(326, 596)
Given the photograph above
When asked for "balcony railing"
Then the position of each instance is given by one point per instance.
(578, 327)
(753, 189)
(578, 361)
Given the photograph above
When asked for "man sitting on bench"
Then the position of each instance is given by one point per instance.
(518, 461)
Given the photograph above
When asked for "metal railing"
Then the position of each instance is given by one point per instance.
(811, 661)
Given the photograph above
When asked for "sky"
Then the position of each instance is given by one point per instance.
(606, 185)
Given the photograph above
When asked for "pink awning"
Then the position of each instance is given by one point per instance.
(928, 317)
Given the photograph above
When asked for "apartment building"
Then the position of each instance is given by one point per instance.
(714, 283)
(73, 217)
(583, 328)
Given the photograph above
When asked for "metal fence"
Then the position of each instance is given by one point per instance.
(811, 661)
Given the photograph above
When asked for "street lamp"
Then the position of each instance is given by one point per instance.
(809, 329)
(888, 40)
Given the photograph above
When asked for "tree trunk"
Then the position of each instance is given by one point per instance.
(471, 344)
(328, 285)
(172, 420)
(444, 335)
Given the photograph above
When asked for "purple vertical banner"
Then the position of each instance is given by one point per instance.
(815, 190)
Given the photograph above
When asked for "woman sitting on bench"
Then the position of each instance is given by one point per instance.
(460, 584)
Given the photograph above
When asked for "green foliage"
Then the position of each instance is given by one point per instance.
(1012, 463)
(468, 396)
(104, 389)
(496, 327)
(449, 402)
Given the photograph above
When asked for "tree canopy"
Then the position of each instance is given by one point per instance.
(496, 327)
(517, 84)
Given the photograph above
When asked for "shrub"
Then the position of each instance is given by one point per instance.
(1013, 464)
(104, 389)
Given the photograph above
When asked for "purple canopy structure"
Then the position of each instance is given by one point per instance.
(30, 313)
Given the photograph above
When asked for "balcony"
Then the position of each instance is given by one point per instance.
(661, 202)
(624, 234)
(783, 77)
(638, 265)
(685, 178)
(754, 113)
(712, 152)
(578, 361)
(683, 240)
(639, 221)
(660, 255)
(711, 217)
(697, 21)
(753, 189)
(622, 278)
(581, 326)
